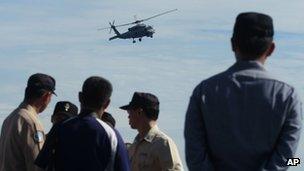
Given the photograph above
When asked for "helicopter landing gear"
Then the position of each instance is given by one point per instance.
(134, 41)
(139, 39)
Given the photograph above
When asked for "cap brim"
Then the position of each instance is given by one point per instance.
(53, 92)
(64, 113)
(125, 107)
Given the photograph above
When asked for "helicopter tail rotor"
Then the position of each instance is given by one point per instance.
(112, 25)
(135, 17)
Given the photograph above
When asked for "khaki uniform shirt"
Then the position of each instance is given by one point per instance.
(21, 139)
(155, 152)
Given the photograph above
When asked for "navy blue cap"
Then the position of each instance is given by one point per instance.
(41, 81)
(65, 108)
(142, 100)
(253, 24)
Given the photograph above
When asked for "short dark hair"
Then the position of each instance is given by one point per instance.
(95, 92)
(253, 34)
(151, 113)
(253, 47)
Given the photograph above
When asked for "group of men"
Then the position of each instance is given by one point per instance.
(239, 120)
(85, 141)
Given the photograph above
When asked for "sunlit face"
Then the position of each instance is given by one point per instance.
(46, 99)
(134, 117)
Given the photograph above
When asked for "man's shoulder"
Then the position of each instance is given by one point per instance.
(24, 114)
(211, 81)
(18, 123)
(162, 138)
(19, 116)
(163, 144)
(90, 123)
(262, 76)
(85, 121)
(216, 77)
(109, 130)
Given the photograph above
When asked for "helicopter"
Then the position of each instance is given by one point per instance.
(139, 31)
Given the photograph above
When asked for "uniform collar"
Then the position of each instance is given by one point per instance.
(150, 135)
(32, 113)
(29, 108)
(88, 112)
(242, 65)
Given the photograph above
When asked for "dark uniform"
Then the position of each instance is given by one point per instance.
(243, 119)
(87, 143)
(46, 158)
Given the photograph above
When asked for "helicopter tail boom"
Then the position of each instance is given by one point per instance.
(114, 28)
(114, 37)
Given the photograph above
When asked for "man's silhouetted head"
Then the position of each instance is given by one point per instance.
(252, 35)
(96, 93)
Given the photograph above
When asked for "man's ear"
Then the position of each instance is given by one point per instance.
(233, 47)
(140, 110)
(106, 104)
(270, 49)
(52, 119)
(46, 96)
(80, 97)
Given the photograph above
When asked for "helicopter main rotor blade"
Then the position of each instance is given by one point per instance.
(104, 28)
(116, 26)
(138, 21)
(125, 24)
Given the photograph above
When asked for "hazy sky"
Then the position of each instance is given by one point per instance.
(60, 38)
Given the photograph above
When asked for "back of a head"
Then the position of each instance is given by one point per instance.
(63, 111)
(96, 91)
(151, 105)
(253, 34)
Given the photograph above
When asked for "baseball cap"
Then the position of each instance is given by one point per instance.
(41, 81)
(253, 24)
(142, 100)
(65, 108)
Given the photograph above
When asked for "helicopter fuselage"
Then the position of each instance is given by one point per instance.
(137, 31)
